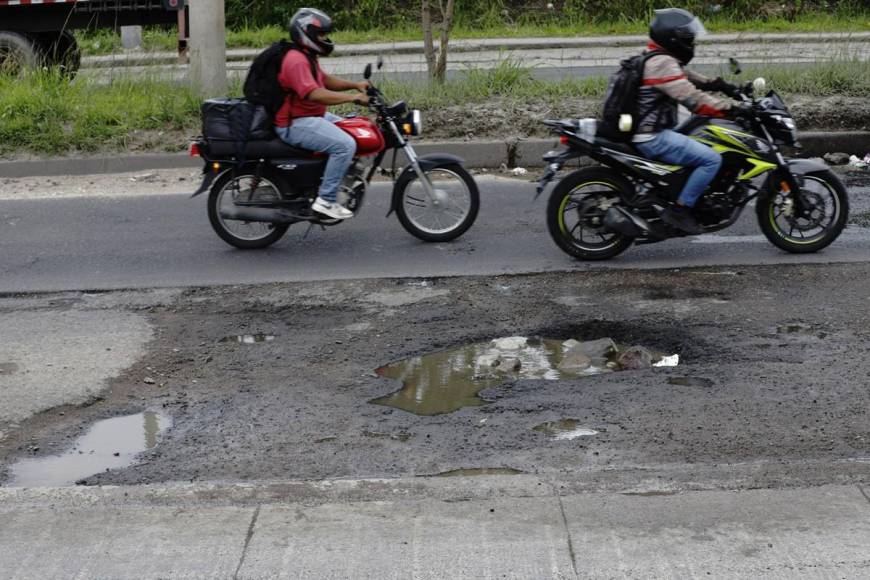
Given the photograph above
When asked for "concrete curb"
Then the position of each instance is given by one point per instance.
(473, 45)
(489, 154)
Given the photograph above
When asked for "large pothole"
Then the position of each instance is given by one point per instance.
(446, 381)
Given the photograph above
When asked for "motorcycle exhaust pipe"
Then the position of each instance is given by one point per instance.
(259, 214)
(624, 222)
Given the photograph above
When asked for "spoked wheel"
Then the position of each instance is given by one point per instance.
(447, 216)
(812, 227)
(575, 214)
(244, 189)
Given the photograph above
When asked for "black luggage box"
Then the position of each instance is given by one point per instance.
(235, 120)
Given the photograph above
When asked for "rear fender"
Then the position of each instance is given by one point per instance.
(427, 162)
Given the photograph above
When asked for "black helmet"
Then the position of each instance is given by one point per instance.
(306, 26)
(675, 30)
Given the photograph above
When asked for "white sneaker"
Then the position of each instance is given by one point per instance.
(331, 209)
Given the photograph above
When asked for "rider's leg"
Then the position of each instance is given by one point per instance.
(672, 147)
(320, 134)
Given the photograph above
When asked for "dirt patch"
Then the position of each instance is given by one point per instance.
(504, 118)
(297, 407)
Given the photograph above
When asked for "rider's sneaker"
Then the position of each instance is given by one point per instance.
(331, 209)
(682, 220)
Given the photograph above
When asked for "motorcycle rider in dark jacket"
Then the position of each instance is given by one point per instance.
(667, 84)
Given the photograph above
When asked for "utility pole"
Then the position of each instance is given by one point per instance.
(208, 47)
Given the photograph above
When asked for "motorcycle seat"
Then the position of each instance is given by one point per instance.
(272, 149)
(626, 148)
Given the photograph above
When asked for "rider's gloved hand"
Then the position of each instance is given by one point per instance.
(721, 85)
(742, 110)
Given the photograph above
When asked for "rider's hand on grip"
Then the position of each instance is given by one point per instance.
(742, 110)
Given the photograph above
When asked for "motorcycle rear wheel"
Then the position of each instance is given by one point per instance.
(583, 193)
(829, 211)
(241, 234)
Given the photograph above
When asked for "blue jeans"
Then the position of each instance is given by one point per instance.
(320, 134)
(672, 147)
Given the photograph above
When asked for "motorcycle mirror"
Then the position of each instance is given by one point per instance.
(735, 66)
(758, 85)
(367, 74)
(380, 62)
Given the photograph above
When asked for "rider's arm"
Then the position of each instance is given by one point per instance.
(665, 74)
(328, 97)
(339, 84)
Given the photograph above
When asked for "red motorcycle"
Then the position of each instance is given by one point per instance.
(259, 186)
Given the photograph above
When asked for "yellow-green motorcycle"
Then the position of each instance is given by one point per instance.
(597, 212)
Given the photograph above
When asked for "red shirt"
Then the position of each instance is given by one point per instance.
(296, 78)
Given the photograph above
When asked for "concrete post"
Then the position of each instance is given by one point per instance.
(131, 37)
(208, 47)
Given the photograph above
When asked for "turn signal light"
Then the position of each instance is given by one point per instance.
(407, 128)
(216, 167)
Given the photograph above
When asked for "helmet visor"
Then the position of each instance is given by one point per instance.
(694, 29)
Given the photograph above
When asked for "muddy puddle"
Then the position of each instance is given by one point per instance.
(449, 380)
(109, 444)
(564, 430)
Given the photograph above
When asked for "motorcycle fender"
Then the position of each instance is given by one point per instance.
(208, 178)
(426, 162)
(804, 166)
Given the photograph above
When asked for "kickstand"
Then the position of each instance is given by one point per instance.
(308, 231)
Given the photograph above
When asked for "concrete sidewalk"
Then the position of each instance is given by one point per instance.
(489, 44)
(460, 527)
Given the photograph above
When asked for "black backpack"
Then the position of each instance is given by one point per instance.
(621, 97)
(261, 85)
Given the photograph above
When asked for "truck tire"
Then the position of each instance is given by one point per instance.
(62, 51)
(18, 53)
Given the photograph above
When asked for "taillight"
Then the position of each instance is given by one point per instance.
(194, 150)
(563, 139)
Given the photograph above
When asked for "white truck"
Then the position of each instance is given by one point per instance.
(37, 33)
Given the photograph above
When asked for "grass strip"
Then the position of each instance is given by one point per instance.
(44, 113)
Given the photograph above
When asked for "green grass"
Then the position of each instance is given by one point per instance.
(45, 114)
(157, 39)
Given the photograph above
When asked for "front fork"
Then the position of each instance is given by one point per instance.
(414, 161)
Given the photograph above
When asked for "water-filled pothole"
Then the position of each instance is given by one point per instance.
(564, 429)
(109, 444)
(248, 338)
(446, 381)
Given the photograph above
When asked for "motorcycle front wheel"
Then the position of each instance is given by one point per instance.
(575, 213)
(244, 188)
(826, 210)
(447, 216)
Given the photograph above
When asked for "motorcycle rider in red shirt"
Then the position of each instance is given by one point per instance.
(303, 120)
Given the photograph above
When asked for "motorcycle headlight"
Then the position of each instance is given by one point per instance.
(413, 124)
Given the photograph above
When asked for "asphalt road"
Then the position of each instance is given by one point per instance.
(159, 241)
(86, 243)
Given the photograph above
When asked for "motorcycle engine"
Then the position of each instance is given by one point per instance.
(352, 192)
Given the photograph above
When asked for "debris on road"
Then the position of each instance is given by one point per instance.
(858, 163)
(836, 158)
